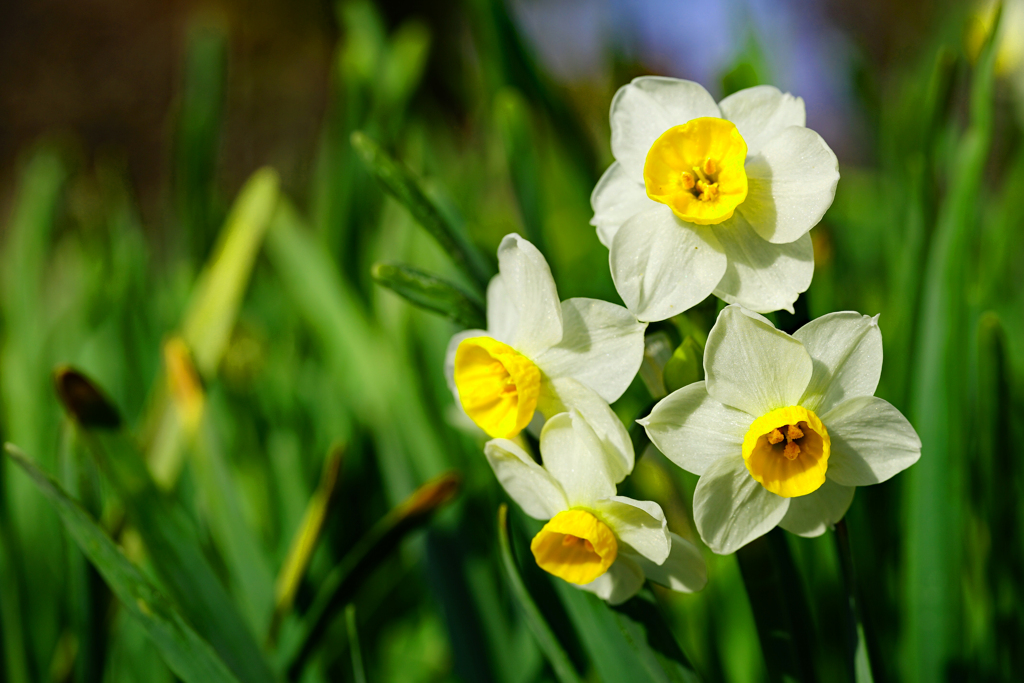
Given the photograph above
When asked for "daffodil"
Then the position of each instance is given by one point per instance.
(539, 354)
(711, 198)
(599, 541)
(784, 427)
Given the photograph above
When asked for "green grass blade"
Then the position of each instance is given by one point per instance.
(169, 535)
(932, 510)
(197, 137)
(559, 660)
(858, 655)
(341, 584)
(358, 672)
(780, 612)
(401, 184)
(512, 114)
(306, 538)
(218, 293)
(431, 293)
(212, 312)
(183, 649)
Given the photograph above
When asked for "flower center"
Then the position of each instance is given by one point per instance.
(498, 386)
(575, 546)
(696, 169)
(787, 450)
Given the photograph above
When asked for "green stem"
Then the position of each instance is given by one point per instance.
(859, 659)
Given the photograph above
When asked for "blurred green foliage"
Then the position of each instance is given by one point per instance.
(255, 356)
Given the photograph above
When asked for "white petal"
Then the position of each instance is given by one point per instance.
(871, 441)
(662, 266)
(502, 316)
(811, 515)
(683, 571)
(646, 108)
(526, 482)
(790, 185)
(639, 524)
(560, 394)
(762, 276)
(730, 509)
(602, 347)
(753, 367)
(694, 430)
(760, 113)
(621, 582)
(846, 349)
(449, 357)
(576, 459)
(617, 197)
(530, 290)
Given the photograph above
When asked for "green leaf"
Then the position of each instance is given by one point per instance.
(431, 293)
(401, 184)
(932, 507)
(858, 656)
(218, 293)
(341, 584)
(628, 642)
(686, 365)
(306, 538)
(212, 312)
(560, 663)
(169, 535)
(188, 655)
(780, 609)
(512, 115)
(358, 673)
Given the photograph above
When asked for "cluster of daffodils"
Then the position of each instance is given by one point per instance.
(703, 198)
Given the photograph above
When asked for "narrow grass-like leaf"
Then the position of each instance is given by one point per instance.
(401, 184)
(358, 672)
(341, 584)
(306, 539)
(560, 662)
(932, 509)
(858, 656)
(170, 537)
(512, 115)
(188, 655)
(431, 293)
(996, 476)
(250, 573)
(625, 643)
(197, 137)
(783, 620)
(212, 311)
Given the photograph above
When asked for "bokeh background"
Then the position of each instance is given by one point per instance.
(186, 220)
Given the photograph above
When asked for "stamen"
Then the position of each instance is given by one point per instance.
(569, 539)
(710, 167)
(588, 545)
(793, 433)
(775, 437)
(688, 180)
(792, 451)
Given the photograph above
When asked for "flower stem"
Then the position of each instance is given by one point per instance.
(858, 657)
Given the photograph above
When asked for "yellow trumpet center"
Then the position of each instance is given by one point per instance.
(498, 386)
(786, 451)
(575, 546)
(697, 170)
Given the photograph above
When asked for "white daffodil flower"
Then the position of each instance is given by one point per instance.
(541, 355)
(711, 198)
(601, 542)
(784, 427)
